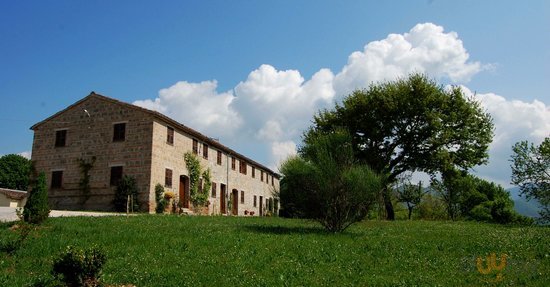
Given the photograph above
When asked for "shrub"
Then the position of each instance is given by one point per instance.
(502, 211)
(325, 183)
(168, 195)
(482, 212)
(77, 267)
(431, 208)
(36, 209)
(159, 198)
(10, 246)
(126, 187)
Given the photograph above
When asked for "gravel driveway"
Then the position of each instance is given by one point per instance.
(8, 213)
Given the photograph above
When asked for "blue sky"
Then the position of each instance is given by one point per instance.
(236, 54)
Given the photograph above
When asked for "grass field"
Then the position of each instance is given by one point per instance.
(153, 250)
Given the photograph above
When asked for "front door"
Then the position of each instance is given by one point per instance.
(223, 195)
(184, 191)
(261, 205)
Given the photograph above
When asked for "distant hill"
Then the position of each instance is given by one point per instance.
(522, 206)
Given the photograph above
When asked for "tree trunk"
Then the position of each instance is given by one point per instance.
(390, 214)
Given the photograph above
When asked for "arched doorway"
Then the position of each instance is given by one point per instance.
(235, 202)
(184, 191)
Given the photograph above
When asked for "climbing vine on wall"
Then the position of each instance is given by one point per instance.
(84, 183)
(206, 185)
(198, 197)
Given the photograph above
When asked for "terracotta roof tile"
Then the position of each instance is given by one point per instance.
(14, 194)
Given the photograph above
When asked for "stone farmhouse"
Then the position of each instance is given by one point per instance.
(123, 139)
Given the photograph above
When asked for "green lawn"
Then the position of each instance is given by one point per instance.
(152, 250)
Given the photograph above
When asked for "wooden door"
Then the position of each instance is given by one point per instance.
(184, 191)
(223, 203)
(261, 205)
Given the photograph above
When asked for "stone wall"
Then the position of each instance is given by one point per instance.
(144, 154)
(89, 124)
(167, 156)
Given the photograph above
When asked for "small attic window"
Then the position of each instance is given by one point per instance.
(170, 135)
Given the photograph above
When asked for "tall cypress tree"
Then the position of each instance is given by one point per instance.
(36, 209)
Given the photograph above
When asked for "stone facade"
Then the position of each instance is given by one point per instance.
(86, 131)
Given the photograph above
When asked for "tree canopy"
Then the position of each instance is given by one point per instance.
(531, 172)
(411, 124)
(14, 172)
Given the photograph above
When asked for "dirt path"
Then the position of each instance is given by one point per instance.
(8, 213)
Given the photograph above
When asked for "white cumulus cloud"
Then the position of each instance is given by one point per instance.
(266, 113)
(282, 150)
(26, 154)
(514, 121)
(279, 105)
(197, 105)
(426, 48)
(270, 100)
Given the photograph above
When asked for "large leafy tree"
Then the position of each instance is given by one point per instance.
(531, 172)
(14, 172)
(411, 124)
(325, 183)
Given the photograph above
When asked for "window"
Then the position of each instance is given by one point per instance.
(219, 158)
(195, 146)
(57, 179)
(255, 201)
(119, 132)
(205, 151)
(266, 177)
(272, 183)
(253, 172)
(242, 166)
(242, 196)
(169, 135)
(262, 175)
(60, 138)
(233, 163)
(213, 189)
(168, 178)
(116, 174)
